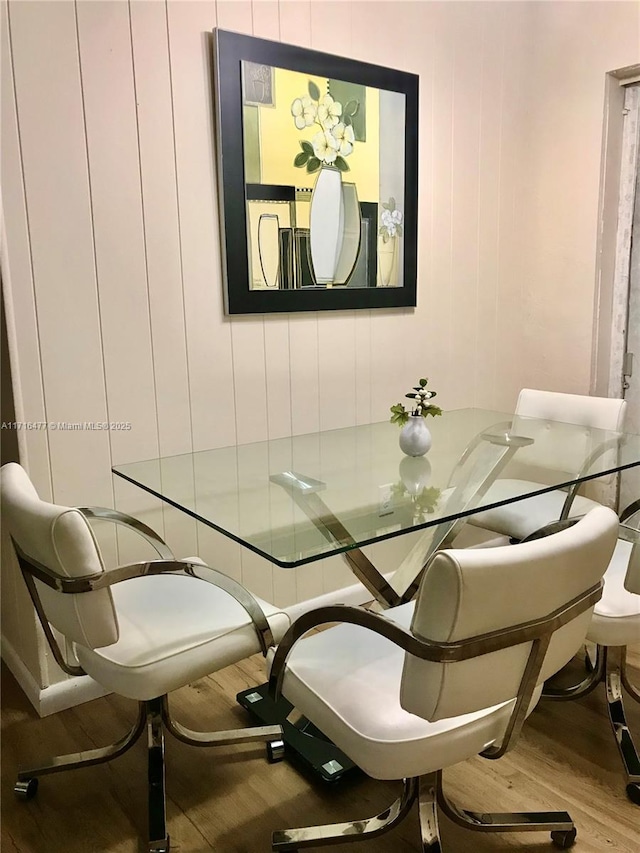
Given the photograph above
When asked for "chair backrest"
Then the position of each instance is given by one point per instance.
(60, 539)
(470, 592)
(565, 448)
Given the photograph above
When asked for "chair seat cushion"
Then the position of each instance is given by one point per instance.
(174, 629)
(522, 518)
(616, 617)
(355, 702)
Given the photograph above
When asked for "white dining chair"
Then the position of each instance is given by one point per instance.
(585, 430)
(139, 630)
(420, 687)
(615, 625)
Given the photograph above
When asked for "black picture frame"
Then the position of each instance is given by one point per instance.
(232, 53)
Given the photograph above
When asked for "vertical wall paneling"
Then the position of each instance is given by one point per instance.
(208, 332)
(154, 112)
(514, 221)
(465, 215)
(490, 179)
(106, 61)
(161, 224)
(48, 87)
(20, 301)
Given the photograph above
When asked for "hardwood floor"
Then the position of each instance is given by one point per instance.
(230, 800)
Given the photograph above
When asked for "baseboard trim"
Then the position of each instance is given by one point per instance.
(54, 697)
(75, 690)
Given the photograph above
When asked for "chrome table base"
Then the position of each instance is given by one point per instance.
(428, 791)
(153, 716)
(304, 744)
(610, 666)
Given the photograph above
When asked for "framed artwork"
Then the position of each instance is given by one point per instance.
(318, 178)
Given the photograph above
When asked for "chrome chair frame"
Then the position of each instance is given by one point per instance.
(571, 488)
(153, 714)
(607, 664)
(428, 789)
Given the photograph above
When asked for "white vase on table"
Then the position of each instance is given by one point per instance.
(415, 436)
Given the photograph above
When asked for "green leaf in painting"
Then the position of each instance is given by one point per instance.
(342, 164)
(314, 92)
(352, 108)
(346, 120)
(399, 230)
(386, 206)
(313, 165)
(306, 146)
(392, 203)
(301, 159)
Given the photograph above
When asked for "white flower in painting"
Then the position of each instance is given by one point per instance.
(304, 112)
(329, 112)
(344, 136)
(388, 222)
(325, 147)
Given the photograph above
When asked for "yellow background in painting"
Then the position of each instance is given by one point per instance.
(280, 138)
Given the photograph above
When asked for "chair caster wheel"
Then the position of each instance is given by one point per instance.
(159, 846)
(633, 792)
(27, 789)
(275, 751)
(564, 838)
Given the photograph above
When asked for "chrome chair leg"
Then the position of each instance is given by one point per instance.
(158, 838)
(339, 833)
(428, 812)
(27, 783)
(617, 718)
(559, 824)
(270, 734)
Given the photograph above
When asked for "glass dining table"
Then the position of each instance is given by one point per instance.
(303, 498)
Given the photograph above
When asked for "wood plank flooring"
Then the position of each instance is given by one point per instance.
(230, 800)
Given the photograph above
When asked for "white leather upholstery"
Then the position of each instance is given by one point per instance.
(61, 539)
(387, 712)
(347, 681)
(522, 518)
(563, 450)
(616, 617)
(471, 592)
(174, 629)
(142, 637)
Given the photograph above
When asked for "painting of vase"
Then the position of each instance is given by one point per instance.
(312, 150)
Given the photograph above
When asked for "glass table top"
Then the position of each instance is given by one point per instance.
(302, 498)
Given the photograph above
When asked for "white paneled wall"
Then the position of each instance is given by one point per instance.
(112, 260)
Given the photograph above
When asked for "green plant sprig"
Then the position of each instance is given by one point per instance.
(421, 405)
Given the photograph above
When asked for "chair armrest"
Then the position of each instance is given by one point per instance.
(105, 514)
(572, 491)
(421, 647)
(199, 571)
